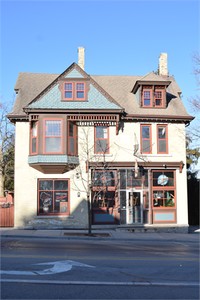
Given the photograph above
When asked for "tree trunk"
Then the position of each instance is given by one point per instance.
(1, 176)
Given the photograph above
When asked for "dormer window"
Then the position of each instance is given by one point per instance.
(147, 97)
(153, 96)
(74, 91)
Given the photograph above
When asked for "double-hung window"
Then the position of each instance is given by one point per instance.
(158, 98)
(146, 140)
(72, 139)
(162, 140)
(101, 139)
(74, 91)
(147, 98)
(53, 136)
(34, 137)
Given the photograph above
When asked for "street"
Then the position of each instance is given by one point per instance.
(149, 268)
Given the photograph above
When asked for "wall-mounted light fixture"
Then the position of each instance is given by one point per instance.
(77, 175)
(78, 194)
(181, 166)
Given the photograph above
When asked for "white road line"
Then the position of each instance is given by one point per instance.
(116, 283)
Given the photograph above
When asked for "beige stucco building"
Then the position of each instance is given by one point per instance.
(111, 147)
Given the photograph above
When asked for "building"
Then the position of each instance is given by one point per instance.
(116, 143)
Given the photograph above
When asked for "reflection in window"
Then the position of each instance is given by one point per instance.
(101, 139)
(163, 189)
(104, 178)
(53, 197)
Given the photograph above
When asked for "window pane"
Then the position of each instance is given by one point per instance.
(45, 185)
(68, 86)
(101, 146)
(34, 129)
(147, 102)
(162, 146)
(122, 179)
(145, 132)
(71, 129)
(80, 86)
(101, 132)
(46, 202)
(163, 178)
(80, 95)
(146, 147)
(169, 198)
(53, 128)
(71, 146)
(34, 140)
(68, 94)
(61, 185)
(53, 144)
(161, 132)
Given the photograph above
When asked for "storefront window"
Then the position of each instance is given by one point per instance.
(53, 196)
(163, 189)
(104, 178)
(128, 178)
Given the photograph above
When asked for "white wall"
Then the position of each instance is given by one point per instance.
(121, 149)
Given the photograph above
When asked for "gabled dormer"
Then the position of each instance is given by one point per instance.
(151, 91)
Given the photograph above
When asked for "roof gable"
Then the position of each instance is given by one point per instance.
(51, 96)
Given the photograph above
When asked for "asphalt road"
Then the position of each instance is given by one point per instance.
(100, 269)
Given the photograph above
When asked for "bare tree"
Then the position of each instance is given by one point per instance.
(6, 150)
(87, 176)
(195, 103)
(193, 133)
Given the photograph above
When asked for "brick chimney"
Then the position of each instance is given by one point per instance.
(162, 67)
(81, 57)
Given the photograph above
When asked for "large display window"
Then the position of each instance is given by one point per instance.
(53, 196)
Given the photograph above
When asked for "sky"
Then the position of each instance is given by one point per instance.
(120, 37)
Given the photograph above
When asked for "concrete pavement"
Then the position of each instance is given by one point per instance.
(116, 234)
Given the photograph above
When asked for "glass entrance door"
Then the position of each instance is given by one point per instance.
(134, 207)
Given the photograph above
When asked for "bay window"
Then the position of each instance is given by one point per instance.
(34, 138)
(53, 136)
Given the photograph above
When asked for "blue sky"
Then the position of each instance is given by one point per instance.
(120, 38)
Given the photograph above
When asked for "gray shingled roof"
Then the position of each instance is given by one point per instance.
(29, 85)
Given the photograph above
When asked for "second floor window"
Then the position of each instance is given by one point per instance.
(53, 136)
(74, 91)
(146, 142)
(34, 137)
(162, 139)
(101, 139)
(72, 139)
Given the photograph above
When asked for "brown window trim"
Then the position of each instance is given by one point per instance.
(159, 139)
(74, 91)
(53, 191)
(144, 139)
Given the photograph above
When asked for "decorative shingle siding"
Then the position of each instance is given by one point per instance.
(53, 159)
(74, 74)
(52, 100)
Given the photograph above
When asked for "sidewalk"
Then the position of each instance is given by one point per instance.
(106, 234)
